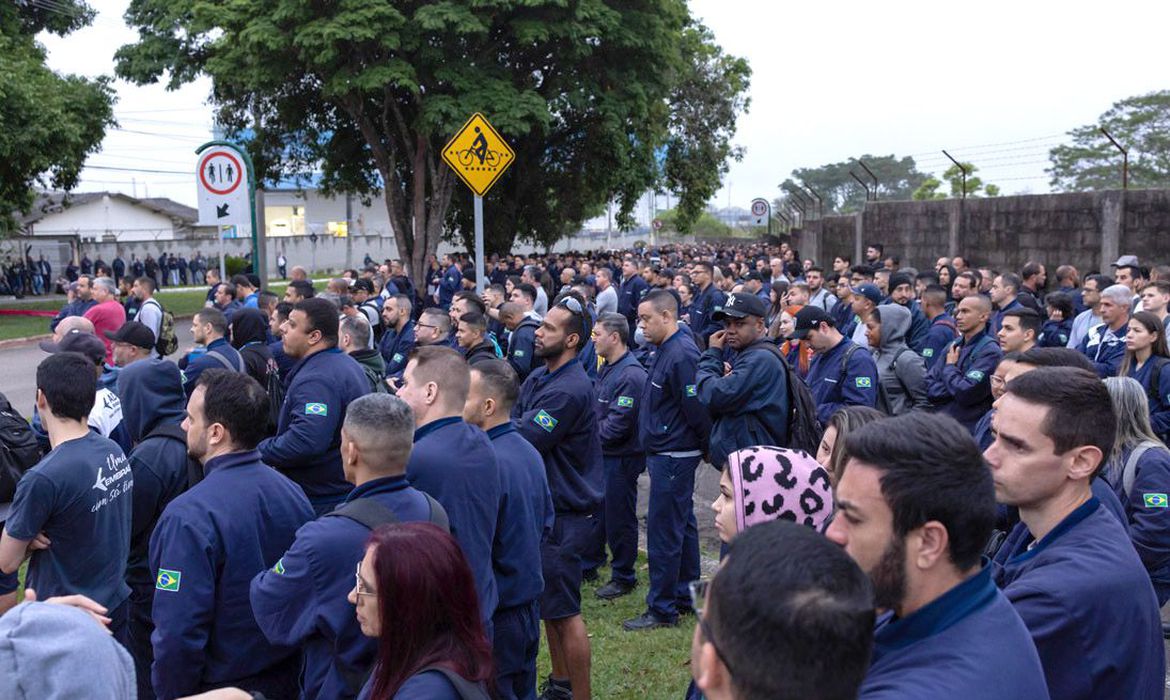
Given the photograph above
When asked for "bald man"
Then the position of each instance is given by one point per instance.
(960, 383)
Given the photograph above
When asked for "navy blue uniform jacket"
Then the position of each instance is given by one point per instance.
(672, 418)
(749, 406)
(555, 414)
(454, 462)
(522, 347)
(942, 332)
(833, 389)
(963, 390)
(968, 643)
(396, 348)
(1160, 405)
(196, 366)
(451, 283)
(1105, 349)
(209, 544)
(1089, 605)
(283, 362)
(307, 446)
(619, 396)
(1146, 514)
(630, 294)
(526, 517)
(301, 600)
(703, 308)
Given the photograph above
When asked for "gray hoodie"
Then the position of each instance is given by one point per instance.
(57, 652)
(902, 388)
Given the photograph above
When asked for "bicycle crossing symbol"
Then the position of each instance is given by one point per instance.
(478, 154)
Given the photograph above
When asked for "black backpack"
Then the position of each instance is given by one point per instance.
(19, 450)
(804, 431)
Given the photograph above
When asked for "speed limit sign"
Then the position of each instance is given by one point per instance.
(759, 207)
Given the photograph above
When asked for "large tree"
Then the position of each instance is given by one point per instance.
(368, 92)
(49, 123)
(1140, 124)
(898, 178)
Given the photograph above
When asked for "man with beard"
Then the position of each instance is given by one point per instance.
(915, 513)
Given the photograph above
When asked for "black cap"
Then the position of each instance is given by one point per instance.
(741, 305)
(809, 318)
(134, 333)
(86, 344)
(362, 284)
(753, 275)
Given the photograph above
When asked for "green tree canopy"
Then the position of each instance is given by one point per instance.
(954, 176)
(1140, 124)
(368, 92)
(898, 178)
(49, 123)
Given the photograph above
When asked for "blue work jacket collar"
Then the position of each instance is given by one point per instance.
(940, 614)
(434, 425)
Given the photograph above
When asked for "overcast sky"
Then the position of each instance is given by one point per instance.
(996, 83)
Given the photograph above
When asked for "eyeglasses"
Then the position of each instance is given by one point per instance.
(997, 380)
(571, 305)
(424, 325)
(359, 584)
(698, 600)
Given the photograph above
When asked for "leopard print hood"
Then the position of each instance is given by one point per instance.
(772, 483)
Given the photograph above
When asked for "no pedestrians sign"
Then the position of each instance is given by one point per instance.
(222, 181)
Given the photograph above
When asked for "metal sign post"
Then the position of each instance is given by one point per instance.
(218, 177)
(479, 156)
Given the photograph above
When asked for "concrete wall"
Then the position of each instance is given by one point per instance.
(1087, 229)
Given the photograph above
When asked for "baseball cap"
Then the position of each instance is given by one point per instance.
(364, 285)
(741, 305)
(86, 344)
(753, 275)
(809, 318)
(134, 333)
(1126, 261)
(869, 291)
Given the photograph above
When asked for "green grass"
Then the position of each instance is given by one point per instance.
(11, 327)
(654, 664)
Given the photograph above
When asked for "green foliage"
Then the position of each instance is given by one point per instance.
(954, 176)
(1140, 124)
(705, 226)
(49, 123)
(367, 92)
(898, 178)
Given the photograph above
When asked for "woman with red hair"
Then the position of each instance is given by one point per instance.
(798, 352)
(415, 593)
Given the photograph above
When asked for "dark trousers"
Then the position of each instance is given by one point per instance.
(617, 522)
(277, 682)
(620, 516)
(141, 625)
(515, 643)
(672, 535)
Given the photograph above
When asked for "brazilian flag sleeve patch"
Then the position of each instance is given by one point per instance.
(625, 401)
(1155, 500)
(544, 420)
(168, 580)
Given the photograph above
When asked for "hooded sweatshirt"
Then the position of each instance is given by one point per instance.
(57, 651)
(773, 483)
(152, 396)
(901, 371)
(250, 336)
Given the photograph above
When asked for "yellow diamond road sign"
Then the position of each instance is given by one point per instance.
(478, 154)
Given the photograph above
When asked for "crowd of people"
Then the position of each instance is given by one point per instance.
(24, 276)
(940, 482)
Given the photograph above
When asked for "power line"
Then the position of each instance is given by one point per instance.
(140, 170)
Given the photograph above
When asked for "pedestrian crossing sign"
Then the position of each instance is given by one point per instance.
(168, 580)
(544, 420)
